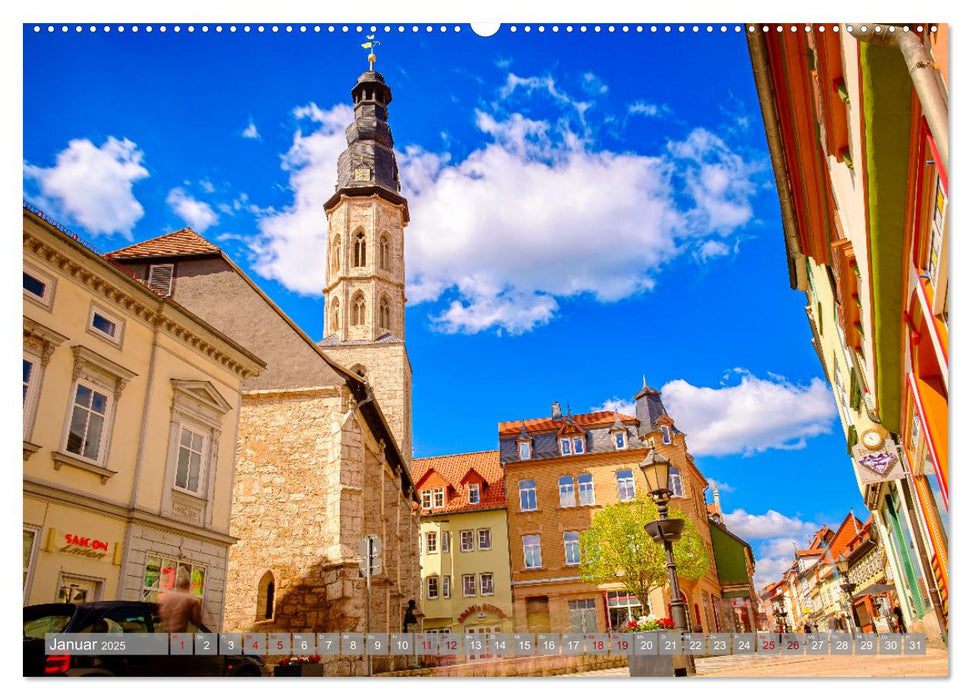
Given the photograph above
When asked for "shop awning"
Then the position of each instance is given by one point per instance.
(875, 589)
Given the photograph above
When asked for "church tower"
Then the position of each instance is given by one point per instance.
(364, 312)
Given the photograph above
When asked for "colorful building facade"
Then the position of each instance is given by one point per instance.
(856, 124)
(464, 545)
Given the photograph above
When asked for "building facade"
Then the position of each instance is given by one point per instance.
(856, 124)
(321, 460)
(559, 472)
(464, 545)
(736, 610)
(131, 408)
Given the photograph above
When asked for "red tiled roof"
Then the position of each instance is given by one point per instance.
(454, 468)
(599, 419)
(182, 242)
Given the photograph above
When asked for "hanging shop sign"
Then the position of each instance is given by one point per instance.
(877, 459)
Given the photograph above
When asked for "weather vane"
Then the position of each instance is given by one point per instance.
(370, 44)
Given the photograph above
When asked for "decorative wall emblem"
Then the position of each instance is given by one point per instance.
(879, 462)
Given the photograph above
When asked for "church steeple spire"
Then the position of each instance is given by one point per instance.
(368, 166)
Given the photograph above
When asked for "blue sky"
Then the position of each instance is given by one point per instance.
(587, 208)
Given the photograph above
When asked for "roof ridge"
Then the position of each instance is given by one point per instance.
(456, 454)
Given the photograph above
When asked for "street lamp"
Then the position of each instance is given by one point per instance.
(666, 530)
(843, 569)
(780, 617)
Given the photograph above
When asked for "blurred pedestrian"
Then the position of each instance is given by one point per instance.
(178, 608)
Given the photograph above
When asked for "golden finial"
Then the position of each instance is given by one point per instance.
(370, 44)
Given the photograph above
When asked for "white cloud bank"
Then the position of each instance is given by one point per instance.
(92, 185)
(197, 214)
(752, 416)
(774, 537)
(535, 215)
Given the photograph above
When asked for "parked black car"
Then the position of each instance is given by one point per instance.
(118, 617)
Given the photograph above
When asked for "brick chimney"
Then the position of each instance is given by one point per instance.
(557, 413)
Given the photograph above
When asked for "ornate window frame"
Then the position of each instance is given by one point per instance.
(45, 300)
(39, 345)
(196, 406)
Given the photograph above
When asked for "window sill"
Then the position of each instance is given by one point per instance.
(29, 449)
(536, 510)
(61, 459)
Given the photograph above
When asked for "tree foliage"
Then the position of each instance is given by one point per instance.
(616, 547)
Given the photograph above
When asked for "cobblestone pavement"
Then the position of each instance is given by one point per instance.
(932, 664)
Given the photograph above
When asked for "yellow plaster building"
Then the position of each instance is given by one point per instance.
(464, 544)
(131, 406)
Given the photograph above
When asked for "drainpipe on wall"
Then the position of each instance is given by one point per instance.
(773, 136)
(925, 75)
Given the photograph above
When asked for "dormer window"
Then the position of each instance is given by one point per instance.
(665, 435)
(565, 447)
(525, 449)
(473, 494)
(438, 498)
(578, 445)
(620, 440)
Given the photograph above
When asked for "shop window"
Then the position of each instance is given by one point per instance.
(583, 615)
(622, 607)
(163, 574)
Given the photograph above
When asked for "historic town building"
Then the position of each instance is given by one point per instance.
(464, 544)
(322, 457)
(737, 608)
(559, 471)
(131, 407)
(856, 124)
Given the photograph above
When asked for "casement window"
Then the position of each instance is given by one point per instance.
(431, 587)
(468, 585)
(485, 584)
(485, 538)
(675, 484)
(525, 450)
(446, 541)
(579, 445)
(532, 552)
(585, 487)
(426, 499)
(473, 494)
(620, 440)
(583, 615)
(527, 494)
(38, 287)
(191, 461)
(162, 574)
(105, 325)
(446, 586)
(89, 414)
(438, 498)
(31, 541)
(565, 448)
(665, 435)
(467, 541)
(160, 278)
(567, 493)
(625, 485)
(571, 547)
(431, 542)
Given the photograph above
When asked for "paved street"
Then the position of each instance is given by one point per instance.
(933, 664)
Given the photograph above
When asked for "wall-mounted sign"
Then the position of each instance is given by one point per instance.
(878, 464)
(84, 546)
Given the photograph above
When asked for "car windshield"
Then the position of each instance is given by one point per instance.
(44, 619)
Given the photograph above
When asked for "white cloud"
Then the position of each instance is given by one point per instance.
(722, 486)
(92, 185)
(648, 109)
(194, 212)
(251, 132)
(709, 250)
(290, 245)
(593, 85)
(768, 525)
(622, 406)
(535, 215)
(207, 186)
(752, 416)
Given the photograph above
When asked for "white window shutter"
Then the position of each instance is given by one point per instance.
(160, 278)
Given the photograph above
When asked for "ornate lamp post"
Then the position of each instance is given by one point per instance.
(780, 617)
(843, 569)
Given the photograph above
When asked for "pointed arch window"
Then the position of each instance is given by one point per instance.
(384, 313)
(266, 596)
(335, 254)
(384, 252)
(358, 310)
(335, 316)
(360, 250)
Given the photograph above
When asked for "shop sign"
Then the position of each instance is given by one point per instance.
(878, 464)
(84, 546)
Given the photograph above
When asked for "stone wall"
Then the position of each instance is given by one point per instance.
(310, 483)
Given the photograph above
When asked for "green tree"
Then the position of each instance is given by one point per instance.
(616, 547)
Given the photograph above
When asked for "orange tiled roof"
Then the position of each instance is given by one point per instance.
(598, 419)
(453, 469)
(182, 242)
